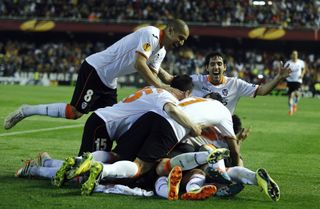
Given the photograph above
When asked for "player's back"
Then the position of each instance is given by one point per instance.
(209, 113)
(122, 115)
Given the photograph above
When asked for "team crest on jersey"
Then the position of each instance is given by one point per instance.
(146, 47)
(84, 105)
(225, 92)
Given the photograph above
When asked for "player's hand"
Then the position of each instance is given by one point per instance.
(244, 133)
(196, 130)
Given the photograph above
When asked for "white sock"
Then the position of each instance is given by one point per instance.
(102, 156)
(218, 165)
(120, 169)
(196, 182)
(242, 175)
(189, 160)
(52, 163)
(54, 110)
(161, 187)
(44, 172)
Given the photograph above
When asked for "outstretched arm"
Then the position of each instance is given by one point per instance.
(264, 89)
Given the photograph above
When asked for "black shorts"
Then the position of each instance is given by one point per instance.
(95, 136)
(90, 92)
(150, 138)
(181, 148)
(293, 86)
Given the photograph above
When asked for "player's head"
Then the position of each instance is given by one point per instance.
(176, 33)
(237, 125)
(294, 55)
(215, 64)
(183, 83)
(215, 96)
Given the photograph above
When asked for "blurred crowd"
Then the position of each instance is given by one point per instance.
(286, 13)
(65, 57)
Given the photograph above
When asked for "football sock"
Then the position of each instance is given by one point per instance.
(120, 169)
(102, 156)
(290, 104)
(242, 175)
(161, 187)
(52, 163)
(196, 182)
(218, 165)
(189, 160)
(54, 110)
(44, 172)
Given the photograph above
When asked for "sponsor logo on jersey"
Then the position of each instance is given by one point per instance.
(155, 36)
(225, 92)
(205, 88)
(146, 47)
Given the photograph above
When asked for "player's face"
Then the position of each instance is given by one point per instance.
(177, 38)
(294, 55)
(216, 69)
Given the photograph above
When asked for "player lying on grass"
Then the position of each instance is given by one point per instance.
(232, 178)
(147, 141)
(151, 137)
(195, 188)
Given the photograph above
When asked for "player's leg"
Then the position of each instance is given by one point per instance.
(168, 187)
(260, 178)
(195, 188)
(86, 97)
(290, 97)
(295, 96)
(95, 136)
(267, 184)
(188, 161)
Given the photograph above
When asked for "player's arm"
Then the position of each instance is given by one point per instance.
(149, 75)
(234, 151)
(178, 115)
(266, 88)
(164, 76)
(304, 70)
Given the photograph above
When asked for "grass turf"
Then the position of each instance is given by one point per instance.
(288, 147)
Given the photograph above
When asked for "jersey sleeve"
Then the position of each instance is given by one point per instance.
(165, 97)
(246, 89)
(226, 127)
(147, 43)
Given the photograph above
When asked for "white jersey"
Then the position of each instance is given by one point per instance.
(208, 112)
(122, 115)
(296, 68)
(210, 135)
(119, 59)
(231, 89)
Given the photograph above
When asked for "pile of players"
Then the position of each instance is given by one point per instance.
(175, 136)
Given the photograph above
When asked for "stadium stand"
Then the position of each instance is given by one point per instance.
(56, 60)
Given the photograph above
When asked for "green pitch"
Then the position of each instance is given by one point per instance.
(288, 147)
